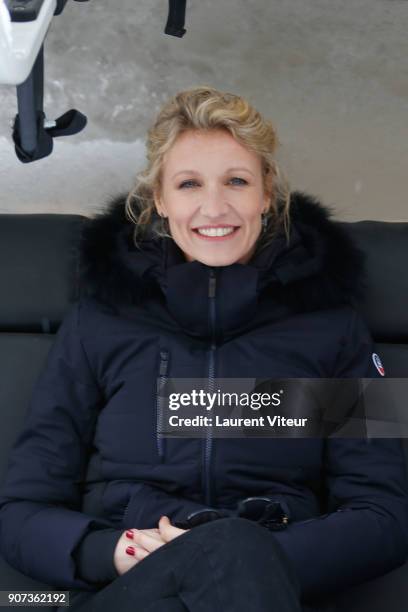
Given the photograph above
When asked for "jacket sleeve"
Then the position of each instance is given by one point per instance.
(365, 532)
(94, 553)
(94, 556)
(40, 500)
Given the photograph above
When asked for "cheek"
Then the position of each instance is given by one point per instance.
(175, 208)
(180, 223)
(254, 220)
(253, 211)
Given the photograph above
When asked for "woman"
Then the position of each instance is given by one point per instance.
(209, 269)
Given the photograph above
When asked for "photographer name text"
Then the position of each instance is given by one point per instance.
(217, 421)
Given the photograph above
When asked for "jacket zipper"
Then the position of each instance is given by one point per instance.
(163, 373)
(211, 375)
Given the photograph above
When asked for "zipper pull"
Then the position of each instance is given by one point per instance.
(212, 284)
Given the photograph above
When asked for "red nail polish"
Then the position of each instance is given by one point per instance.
(129, 534)
(130, 551)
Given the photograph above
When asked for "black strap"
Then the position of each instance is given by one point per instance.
(43, 140)
(69, 123)
(32, 139)
(176, 18)
(61, 5)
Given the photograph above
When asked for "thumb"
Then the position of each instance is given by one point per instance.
(167, 530)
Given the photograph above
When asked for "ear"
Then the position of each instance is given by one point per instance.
(268, 193)
(158, 202)
(266, 202)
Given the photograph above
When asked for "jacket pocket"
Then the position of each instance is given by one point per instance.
(160, 398)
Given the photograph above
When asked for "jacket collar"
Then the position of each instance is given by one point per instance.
(319, 268)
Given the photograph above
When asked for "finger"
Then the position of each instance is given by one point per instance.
(154, 533)
(141, 553)
(132, 529)
(165, 523)
(168, 531)
(147, 541)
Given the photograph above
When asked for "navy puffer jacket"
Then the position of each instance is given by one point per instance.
(90, 458)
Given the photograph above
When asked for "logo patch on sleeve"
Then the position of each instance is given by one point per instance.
(378, 364)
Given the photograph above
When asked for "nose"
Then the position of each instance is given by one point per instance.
(214, 205)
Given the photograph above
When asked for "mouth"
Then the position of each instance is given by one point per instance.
(222, 232)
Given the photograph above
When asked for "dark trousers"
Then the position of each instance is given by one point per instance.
(230, 564)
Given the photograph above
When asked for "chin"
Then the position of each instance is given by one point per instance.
(218, 261)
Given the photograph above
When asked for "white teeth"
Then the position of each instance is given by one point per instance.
(216, 231)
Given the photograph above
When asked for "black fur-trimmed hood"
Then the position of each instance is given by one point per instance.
(321, 267)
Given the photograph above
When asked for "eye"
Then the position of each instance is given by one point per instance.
(192, 182)
(244, 182)
(186, 183)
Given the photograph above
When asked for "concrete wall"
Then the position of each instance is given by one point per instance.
(332, 75)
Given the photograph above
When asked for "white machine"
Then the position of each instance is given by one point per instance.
(23, 27)
(21, 41)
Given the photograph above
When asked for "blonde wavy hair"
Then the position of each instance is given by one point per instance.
(205, 108)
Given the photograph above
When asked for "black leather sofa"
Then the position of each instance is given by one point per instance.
(39, 280)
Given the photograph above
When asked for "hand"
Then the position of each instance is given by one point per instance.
(168, 531)
(143, 542)
(124, 561)
(150, 540)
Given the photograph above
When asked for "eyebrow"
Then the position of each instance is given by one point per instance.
(196, 172)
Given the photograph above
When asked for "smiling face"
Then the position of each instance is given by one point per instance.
(213, 196)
